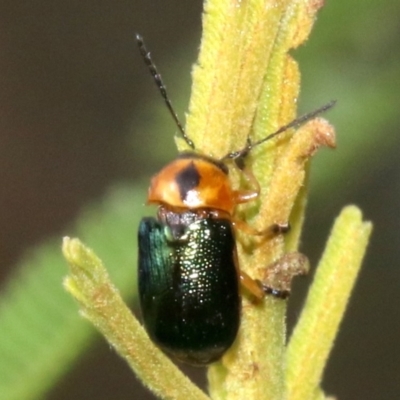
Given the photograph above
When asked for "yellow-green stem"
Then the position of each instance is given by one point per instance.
(317, 328)
(246, 85)
(101, 303)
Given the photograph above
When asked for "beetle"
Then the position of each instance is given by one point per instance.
(188, 274)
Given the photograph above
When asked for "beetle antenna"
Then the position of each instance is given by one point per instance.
(296, 122)
(240, 154)
(161, 87)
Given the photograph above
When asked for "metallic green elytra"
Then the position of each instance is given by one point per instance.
(188, 285)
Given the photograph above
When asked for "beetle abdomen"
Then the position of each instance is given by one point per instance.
(188, 288)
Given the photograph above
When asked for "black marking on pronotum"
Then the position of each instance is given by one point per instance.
(187, 180)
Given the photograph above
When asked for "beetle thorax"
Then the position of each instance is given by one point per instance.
(192, 182)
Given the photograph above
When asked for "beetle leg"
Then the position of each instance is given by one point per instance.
(278, 276)
(259, 289)
(278, 229)
(243, 196)
(278, 293)
(271, 231)
(252, 285)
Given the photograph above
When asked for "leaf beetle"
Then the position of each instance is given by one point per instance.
(188, 274)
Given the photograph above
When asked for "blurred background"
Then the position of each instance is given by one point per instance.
(79, 114)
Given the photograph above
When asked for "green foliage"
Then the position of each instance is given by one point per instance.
(41, 333)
